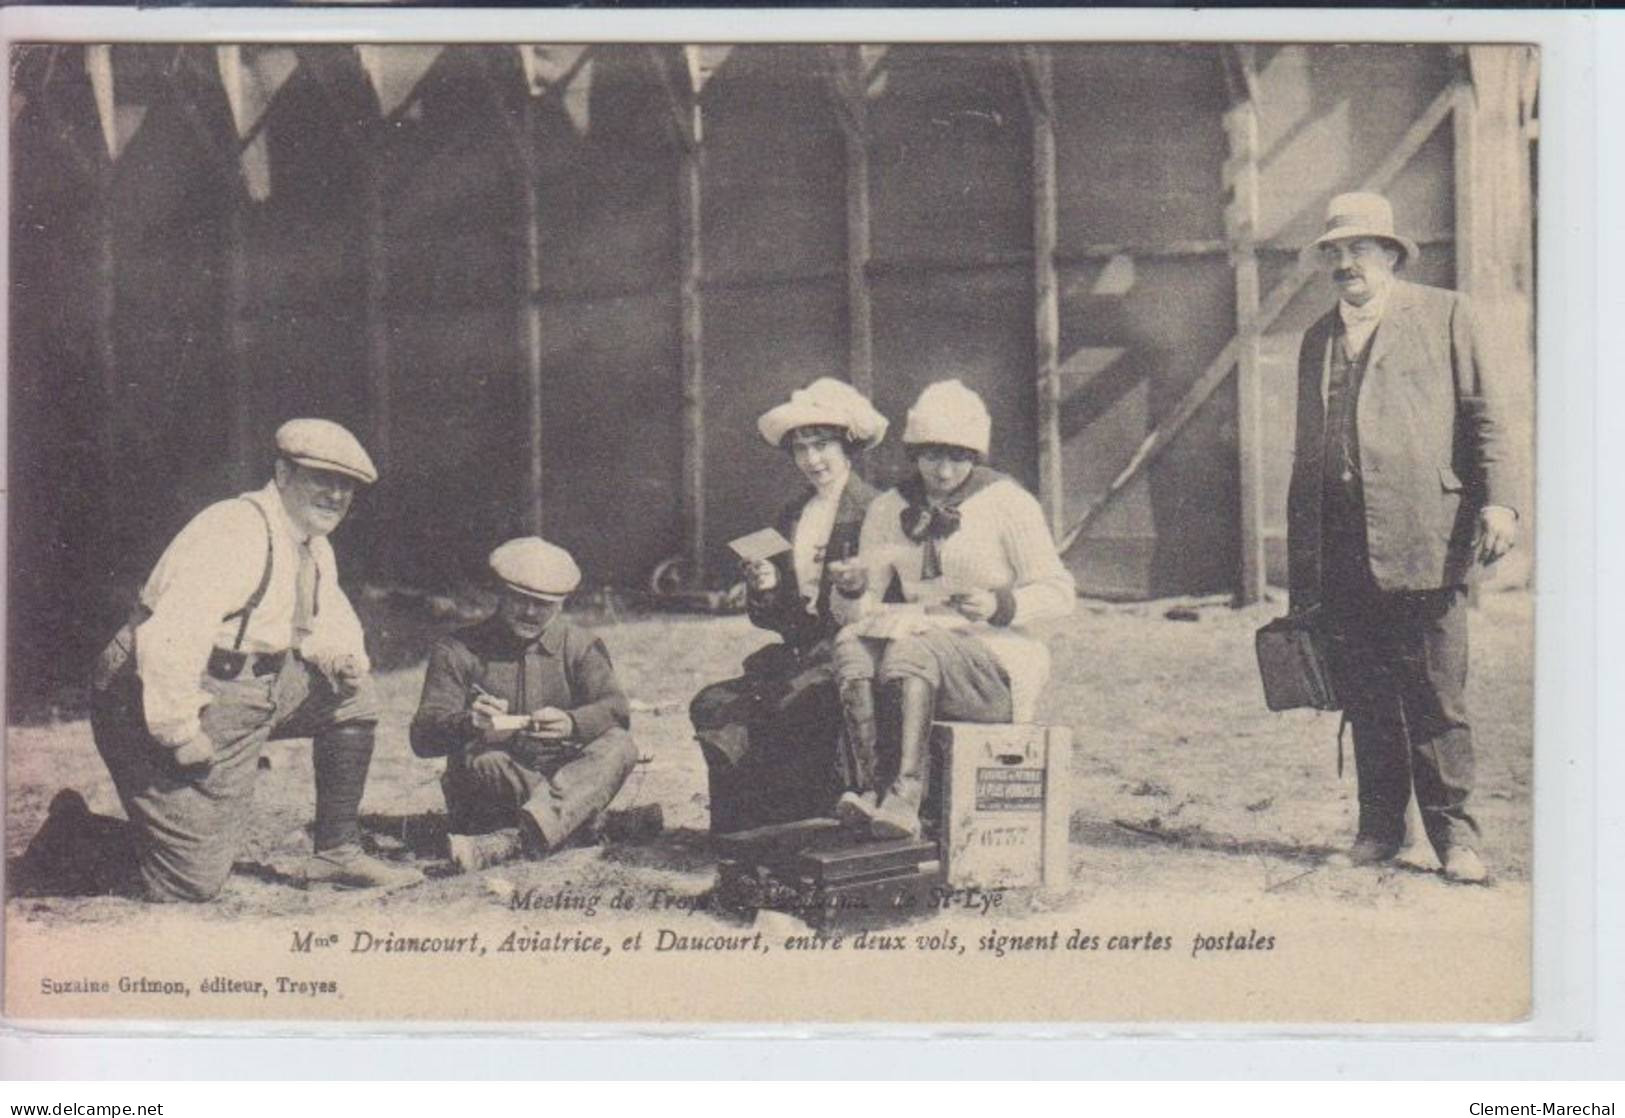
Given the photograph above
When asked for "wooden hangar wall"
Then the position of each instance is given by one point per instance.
(556, 286)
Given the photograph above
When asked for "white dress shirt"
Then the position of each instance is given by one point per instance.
(1359, 323)
(210, 570)
(808, 549)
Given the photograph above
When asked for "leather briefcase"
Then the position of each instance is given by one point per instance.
(1294, 665)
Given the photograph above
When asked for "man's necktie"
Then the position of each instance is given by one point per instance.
(305, 605)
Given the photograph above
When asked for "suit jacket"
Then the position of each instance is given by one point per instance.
(566, 667)
(782, 609)
(1433, 444)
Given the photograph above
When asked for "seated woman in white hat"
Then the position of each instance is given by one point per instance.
(769, 736)
(977, 567)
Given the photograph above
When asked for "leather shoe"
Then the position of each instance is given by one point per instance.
(898, 816)
(1463, 866)
(350, 867)
(855, 810)
(1366, 851)
(470, 853)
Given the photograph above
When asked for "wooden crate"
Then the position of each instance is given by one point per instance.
(1005, 803)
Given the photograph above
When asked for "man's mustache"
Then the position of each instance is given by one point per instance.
(1347, 274)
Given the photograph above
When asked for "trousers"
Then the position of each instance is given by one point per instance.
(1399, 663)
(493, 789)
(189, 826)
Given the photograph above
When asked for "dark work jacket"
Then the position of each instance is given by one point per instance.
(566, 667)
(782, 609)
(1433, 447)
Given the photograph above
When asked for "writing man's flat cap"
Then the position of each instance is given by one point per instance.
(533, 566)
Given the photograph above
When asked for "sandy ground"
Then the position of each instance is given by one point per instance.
(1184, 786)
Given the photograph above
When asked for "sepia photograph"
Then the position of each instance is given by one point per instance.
(677, 533)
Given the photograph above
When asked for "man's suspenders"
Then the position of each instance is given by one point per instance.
(119, 655)
(258, 595)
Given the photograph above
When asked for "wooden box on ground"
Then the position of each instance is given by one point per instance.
(1005, 803)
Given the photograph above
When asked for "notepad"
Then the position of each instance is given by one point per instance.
(507, 723)
(757, 546)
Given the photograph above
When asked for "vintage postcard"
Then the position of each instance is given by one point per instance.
(380, 414)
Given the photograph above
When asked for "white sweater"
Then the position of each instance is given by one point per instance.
(1002, 544)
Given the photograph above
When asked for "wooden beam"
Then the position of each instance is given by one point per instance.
(690, 272)
(375, 262)
(530, 319)
(851, 110)
(87, 159)
(104, 316)
(1219, 368)
(683, 104)
(1036, 67)
(1241, 230)
(234, 304)
(224, 160)
(682, 101)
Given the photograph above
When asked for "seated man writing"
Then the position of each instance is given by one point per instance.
(527, 710)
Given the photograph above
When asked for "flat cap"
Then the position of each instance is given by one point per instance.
(322, 444)
(533, 566)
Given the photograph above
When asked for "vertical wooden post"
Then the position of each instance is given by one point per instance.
(1241, 231)
(1046, 296)
(683, 101)
(104, 312)
(375, 256)
(235, 311)
(852, 112)
(690, 271)
(530, 315)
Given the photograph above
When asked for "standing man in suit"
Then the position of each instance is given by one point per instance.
(1401, 489)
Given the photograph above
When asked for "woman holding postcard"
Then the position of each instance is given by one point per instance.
(977, 566)
(769, 736)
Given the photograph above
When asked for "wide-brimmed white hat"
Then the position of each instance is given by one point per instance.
(1363, 214)
(826, 402)
(950, 414)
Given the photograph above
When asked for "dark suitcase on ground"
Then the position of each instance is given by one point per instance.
(813, 870)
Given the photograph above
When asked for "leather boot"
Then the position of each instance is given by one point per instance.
(341, 755)
(859, 737)
(899, 813)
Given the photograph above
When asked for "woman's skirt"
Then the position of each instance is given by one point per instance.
(769, 739)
